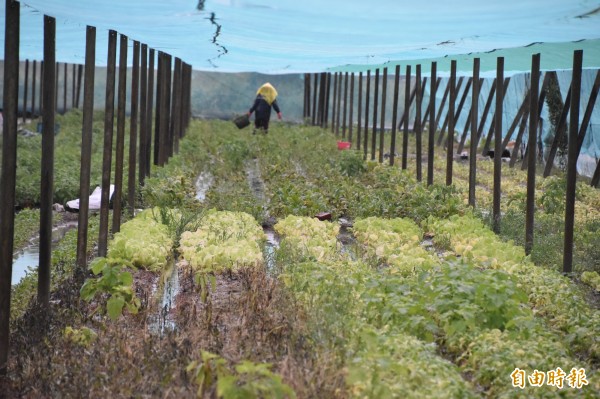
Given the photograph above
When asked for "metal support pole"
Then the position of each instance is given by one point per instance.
(41, 106)
(79, 76)
(143, 118)
(10, 106)
(417, 123)
(394, 115)
(176, 105)
(382, 121)
(314, 103)
(25, 90)
(327, 95)
(73, 85)
(33, 88)
(432, 122)
(596, 176)
(351, 110)
(164, 110)
(450, 149)
(304, 107)
(335, 95)
(406, 118)
(498, 145)
(133, 127)
(532, 145)
(375, 104)
(366, 138)
(168, 131)
(119, 154)
(572, 161)
(344, 121)
(359, 111)
(65, 81)
(473, 141)
(57, 70)
(338, 106)
(86, 147)
(47, 172)
(322, 86)
(149, 113)
(160, 68)
(109, 115)
(185, 97)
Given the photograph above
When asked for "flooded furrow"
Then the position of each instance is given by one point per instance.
(28, 259)
(346, 240)
(255, 180)
(162, 321)
(203, 184)
(270, 249)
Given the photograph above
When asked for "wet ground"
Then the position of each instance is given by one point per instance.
(27, 259)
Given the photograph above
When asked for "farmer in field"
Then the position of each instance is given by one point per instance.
(265, 100)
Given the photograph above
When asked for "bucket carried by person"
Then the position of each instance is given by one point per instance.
(242, 121)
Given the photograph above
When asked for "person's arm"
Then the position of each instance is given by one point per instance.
(251, 110)
(276, 107)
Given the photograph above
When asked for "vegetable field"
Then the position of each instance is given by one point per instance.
(224, 284)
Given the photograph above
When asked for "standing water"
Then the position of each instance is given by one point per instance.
(28, 259)
(271, 246)
(162, 321)
(346, 239)
(203, 183)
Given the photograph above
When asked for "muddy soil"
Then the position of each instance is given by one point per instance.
(246, 315)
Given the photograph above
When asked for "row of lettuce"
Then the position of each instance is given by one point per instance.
(404, 321)
(303, 174)
(489, 315)
(216, 242)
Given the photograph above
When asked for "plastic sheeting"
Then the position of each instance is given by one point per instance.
(306, 36)
(514, 96)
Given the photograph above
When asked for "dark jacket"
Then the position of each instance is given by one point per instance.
(262, 108)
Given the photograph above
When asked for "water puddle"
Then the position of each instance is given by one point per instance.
(203, 183)
(28, 259)
(255, 180)
(427, 243)
(346, 239)
(271, 246)
(162, 321)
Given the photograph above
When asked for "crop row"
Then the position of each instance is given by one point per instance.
(223, 240)
(380, 361)
(479, 317)
(550, 294)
